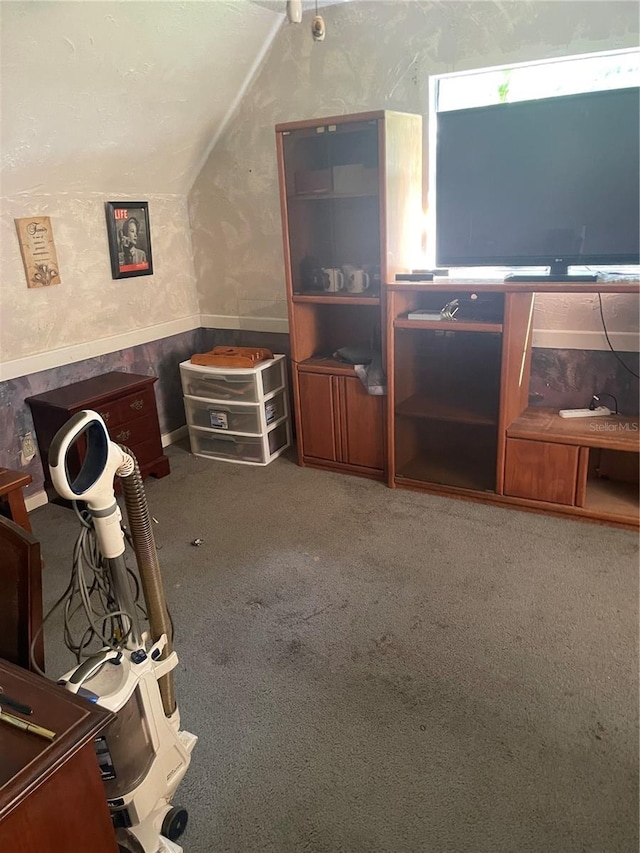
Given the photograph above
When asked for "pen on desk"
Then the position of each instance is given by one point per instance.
(14, 704)
(27, 727)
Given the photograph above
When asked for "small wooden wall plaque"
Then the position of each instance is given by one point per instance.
(38, 250)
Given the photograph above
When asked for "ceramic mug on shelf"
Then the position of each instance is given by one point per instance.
(333, 279)
(347, 269)
(357, 281)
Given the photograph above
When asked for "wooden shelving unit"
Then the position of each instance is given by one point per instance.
(456, 418)
(351, 198)
(444, 390)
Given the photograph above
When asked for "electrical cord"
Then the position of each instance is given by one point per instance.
(606, 334)
(595, 400)
(89, 594)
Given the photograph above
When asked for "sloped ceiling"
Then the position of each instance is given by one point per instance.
(122, 96)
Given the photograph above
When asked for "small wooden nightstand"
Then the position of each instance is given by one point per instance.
(127, 404)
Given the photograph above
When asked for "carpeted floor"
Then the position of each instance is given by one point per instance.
(379, 671)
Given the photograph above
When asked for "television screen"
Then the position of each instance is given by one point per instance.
(548, 182)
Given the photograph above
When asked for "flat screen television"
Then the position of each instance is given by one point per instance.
(552, 182)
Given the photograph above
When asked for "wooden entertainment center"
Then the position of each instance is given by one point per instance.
(456, 419)
(458, 416)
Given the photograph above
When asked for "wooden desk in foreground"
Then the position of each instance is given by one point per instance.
(52, 798)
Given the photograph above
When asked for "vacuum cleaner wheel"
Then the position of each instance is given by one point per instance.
(174, 823)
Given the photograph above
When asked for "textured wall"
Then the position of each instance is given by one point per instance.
(111, 100)
(581, 311)
(89, 304)
(566, 379)
(376, 55)
(104, 95)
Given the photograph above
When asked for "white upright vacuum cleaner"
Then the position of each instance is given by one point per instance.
(143, 754)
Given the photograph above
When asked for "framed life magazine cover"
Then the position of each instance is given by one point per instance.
(129, 238)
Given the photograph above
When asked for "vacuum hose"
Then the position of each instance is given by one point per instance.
(147, 559)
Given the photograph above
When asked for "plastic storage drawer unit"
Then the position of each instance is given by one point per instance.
(237, 415)
(239, 385)
(240, 448)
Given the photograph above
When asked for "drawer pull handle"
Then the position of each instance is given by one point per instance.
(137, 405)
(124, 435)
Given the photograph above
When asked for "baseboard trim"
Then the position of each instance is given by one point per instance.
(177, 434)
(35, 500)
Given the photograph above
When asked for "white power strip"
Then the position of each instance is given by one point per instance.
(600, 412)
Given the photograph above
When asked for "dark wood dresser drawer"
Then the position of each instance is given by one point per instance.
(132, 406)
(127, 404)
(138, 432)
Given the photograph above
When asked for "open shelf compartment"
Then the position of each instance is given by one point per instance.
(320, 330)
(445, 454)
(608, 483)
(447, 375)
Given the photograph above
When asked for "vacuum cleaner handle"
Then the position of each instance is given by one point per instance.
(89, 485)
(90, 667)
(94, 482)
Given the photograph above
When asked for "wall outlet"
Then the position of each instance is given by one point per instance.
(28, 448)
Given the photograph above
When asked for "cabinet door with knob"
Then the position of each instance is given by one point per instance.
(342, 425)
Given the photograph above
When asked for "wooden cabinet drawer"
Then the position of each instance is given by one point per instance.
(541, 471)
(116, 412)
(135, 432)
(147, 451)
